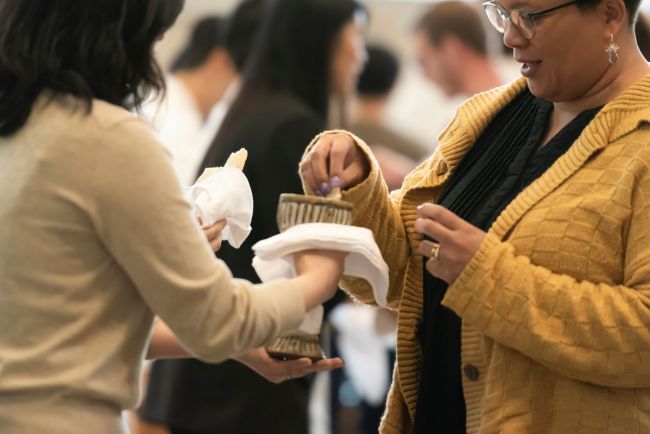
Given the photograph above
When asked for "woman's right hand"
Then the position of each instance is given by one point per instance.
(335, 161)
(319, 272)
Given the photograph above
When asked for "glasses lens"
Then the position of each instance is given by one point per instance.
(497, 17)
(523, 22)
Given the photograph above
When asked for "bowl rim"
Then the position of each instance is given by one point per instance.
(301, 198)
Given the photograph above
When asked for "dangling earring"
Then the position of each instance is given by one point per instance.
(612, 50)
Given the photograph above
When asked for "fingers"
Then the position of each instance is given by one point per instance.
(334, 162)
(426, 248)
(441, 215)
(215, 244)
(437, 269)
(281, 371)
(327, 365)
(341, 147)
(308, 175)
(319, 164)
(215, 230)
(433, 229)
(213, 234)
(294, 371)
(353, 175)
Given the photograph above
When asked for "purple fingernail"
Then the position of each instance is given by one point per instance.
(319, 193)
(325, 188)
(336, 182)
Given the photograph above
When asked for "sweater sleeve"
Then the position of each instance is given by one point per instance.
(587, 331)
(379, 211)
(147, 226)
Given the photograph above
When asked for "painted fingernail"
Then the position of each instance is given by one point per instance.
(319, 193)
(325, 188)
(336, 182)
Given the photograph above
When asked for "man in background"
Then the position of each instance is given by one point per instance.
(451, 45)
(396, 154)
(200, 77)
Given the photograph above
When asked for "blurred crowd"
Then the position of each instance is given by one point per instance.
(270, 81)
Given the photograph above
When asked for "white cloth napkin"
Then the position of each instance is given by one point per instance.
(273, 259)
(225, 195)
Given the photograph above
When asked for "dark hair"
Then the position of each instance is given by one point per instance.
(642, 31)
(380, 72)
(241, 31)
(293, 56)
(456, 18)
(632, 7)
(207, 36)
(90, 49)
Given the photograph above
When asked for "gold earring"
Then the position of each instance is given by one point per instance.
(612, 49)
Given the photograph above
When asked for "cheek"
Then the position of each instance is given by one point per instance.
(340, 75)
(350, 65)
(570, 67)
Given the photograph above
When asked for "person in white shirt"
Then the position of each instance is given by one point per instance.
(199, 79)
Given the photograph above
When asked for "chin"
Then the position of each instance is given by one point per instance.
(537, 89)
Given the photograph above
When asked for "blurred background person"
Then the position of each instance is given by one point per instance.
(241, 30)
(308, 52)
(397, 154)
(451, 45)
(200, 76)
(164, 404)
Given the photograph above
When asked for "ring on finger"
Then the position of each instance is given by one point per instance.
(435, 252)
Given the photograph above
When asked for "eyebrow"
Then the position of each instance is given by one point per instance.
(518, 5)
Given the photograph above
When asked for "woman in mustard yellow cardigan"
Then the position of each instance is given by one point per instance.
(524, 291)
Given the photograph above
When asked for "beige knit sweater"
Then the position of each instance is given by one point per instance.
(556, 303)
(96, 238)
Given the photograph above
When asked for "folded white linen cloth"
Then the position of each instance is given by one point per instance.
(224, 195)
(274, 259)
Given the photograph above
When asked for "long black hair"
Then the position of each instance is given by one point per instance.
(90, 49)
(294, 50)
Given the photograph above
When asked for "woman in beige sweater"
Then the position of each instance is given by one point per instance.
(95, 236)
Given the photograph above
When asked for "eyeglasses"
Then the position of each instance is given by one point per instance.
(524, 21)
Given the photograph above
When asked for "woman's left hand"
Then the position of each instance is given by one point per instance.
(457, 241)
(278, 371)
(213, 234)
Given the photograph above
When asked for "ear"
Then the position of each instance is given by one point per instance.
(616, 16)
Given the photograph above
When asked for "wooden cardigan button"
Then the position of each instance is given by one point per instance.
(471, 372)
(442, 167)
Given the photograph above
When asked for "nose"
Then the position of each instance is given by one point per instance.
(512, 37)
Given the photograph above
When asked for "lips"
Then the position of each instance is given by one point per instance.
(529, 67)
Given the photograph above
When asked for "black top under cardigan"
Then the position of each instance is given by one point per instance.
(505, 160)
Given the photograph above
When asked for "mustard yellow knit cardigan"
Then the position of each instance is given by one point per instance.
(556, 303)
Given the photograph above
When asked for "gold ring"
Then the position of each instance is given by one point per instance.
(435, 251)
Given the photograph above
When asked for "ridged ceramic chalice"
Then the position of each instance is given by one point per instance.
(296, 209)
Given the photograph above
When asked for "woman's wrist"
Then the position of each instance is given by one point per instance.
(315, 289)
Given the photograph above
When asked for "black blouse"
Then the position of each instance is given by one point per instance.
(503, 162)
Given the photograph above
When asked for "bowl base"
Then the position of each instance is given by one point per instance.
(294, 347)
